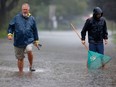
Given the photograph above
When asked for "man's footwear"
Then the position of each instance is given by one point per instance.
(31, 69)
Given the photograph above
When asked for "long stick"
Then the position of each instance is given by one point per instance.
(74, 29)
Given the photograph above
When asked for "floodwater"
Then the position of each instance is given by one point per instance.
(61, 62)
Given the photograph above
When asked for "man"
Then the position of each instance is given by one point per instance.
(97, 31)
(25, 32)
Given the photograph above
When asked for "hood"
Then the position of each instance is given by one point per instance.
(97, 10)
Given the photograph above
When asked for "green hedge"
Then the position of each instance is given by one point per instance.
(3, 34)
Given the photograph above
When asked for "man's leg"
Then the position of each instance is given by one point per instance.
(92, 47)
(100, 49)
(19, 53)
(20, 64)
(30, 57)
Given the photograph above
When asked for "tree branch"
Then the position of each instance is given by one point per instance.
(12, 5)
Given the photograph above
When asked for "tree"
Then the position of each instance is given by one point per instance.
(8, 8)
(5, 7)
(71, 7)
(65, 10)
(108, 6)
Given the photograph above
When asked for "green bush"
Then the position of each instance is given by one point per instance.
(3, 33)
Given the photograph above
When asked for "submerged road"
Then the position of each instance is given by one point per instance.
(61, 62)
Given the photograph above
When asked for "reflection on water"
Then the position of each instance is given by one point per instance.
(9, 77)
(99, 78)
(62, 65)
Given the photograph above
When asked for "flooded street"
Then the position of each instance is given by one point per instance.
(60, 62)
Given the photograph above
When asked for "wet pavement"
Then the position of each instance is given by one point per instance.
(61, 62)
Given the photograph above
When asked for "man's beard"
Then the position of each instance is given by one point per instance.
(25, 14)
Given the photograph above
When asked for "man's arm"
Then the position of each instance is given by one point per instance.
(105, 33)
(83, 32)
(10, 30)
(35, 33)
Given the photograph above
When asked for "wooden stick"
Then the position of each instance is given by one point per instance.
(74, 29)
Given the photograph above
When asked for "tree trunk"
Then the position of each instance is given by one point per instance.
(6, 8)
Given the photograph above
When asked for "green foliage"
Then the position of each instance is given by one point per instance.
(40, 10)
(39, 2)
(71, 7)
(114, 40)
(66, 8)
(108, 6)
(3, 34)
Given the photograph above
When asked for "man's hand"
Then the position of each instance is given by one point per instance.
(83, 42)
(10, 36)
(36, 43)
(106, 41)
